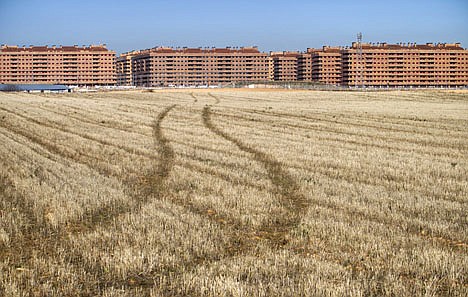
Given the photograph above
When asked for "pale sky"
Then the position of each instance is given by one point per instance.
(270, 25)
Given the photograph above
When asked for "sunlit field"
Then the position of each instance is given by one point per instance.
(234, 193)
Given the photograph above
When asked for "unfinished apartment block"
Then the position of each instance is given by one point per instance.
(405, 65)
(162, 66)
(360, 65)
(123, 68)
(284, 66)
(326, 65)
(376, 65)
(69, 65)
(304, 67)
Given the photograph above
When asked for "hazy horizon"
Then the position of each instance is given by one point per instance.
(270, 25)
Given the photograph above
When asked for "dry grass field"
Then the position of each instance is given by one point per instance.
(234, 193)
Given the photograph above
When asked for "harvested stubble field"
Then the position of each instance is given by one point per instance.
(234, 193)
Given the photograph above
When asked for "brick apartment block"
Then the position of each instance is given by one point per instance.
(304, 67)
(396, 65)
(124, 68)
(70, 65)
(326, 65)
(162, 66)
(379, 65)
(284, 66)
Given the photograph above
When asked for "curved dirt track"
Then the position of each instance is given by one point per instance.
(37, 237)
(262, 198)
(292, 200)
(216, 98)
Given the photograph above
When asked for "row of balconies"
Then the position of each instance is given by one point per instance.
(42, 56)
(387, 70)
(408, 83)
(192, 80)
(53, 61)
(404, 80)
(206, 60)
(201, 76)
(208, 66)
(402, 76)
(172, 69)
(57, 78)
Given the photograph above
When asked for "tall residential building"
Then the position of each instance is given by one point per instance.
(162, 66)
(376, 65)
(284, 66)
(70, 65)
(124, 68)
(404, 65)
(381, 65)
(304, 66)
(326, 65)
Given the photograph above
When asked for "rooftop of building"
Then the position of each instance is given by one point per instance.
(427, 46)
(53, 48)
(326, 49)
(292, 54)
(198, 50)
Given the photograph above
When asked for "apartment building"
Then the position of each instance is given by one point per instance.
(163, 66)
(284, 66)
(326, 65)
(69, 65)
(123, 68)
(376, 65)
(304, 66)
(405, 65)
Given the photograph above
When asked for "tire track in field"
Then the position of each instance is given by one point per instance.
(154, 178)
(155, 185)
(216, 98)
(97, 123)
(195, 99)
(240, 238)
(94, 217)
(292, 200)
(412, 228)
(152, 186)
(39, 238)
(166, 154)
(285, 228)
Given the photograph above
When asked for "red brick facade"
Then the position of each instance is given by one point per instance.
(326, 65)
(284, 66)
(70, 65)
(196, 66)
(380, 65)
(384, 65)
(399, 65)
